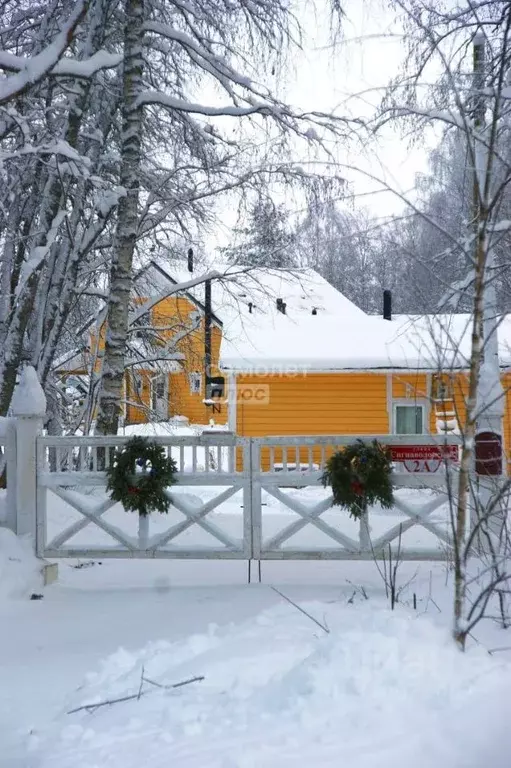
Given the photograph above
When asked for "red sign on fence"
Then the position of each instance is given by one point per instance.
(423, 458)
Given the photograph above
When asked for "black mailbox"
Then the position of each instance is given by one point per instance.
(215, 387)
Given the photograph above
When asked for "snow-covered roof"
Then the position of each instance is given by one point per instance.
(343, 339)
(321, 330)
(154, 280)
(443, 341)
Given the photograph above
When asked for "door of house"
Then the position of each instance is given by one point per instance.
(160, 396)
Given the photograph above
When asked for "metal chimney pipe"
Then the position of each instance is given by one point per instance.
(387, 304)
(207, 334)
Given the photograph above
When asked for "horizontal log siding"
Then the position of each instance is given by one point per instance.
(316, 404)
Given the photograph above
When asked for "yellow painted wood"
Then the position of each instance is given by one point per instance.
(330, 403)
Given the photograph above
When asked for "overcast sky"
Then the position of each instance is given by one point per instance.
(348, 78)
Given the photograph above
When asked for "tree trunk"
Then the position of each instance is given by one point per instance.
(112, 373)
(468, 448)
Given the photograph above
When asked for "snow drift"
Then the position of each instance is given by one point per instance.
(382, 689)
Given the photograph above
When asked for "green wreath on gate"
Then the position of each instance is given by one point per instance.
(360, 475)
(139, 474)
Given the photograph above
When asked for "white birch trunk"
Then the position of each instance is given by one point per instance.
(112, 374)
(467, 452)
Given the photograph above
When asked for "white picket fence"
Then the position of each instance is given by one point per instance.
(257, 469)
(253, 498)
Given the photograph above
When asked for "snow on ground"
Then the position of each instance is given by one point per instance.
(20, 571)
(178, 426)
(381, 689)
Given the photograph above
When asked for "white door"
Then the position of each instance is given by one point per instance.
(160, 397)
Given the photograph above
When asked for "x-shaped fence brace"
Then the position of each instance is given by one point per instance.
(93, 515)
(311, 515)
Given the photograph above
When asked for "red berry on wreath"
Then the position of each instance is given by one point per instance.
(357, 488)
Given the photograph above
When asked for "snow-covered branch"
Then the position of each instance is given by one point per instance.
(36, 68)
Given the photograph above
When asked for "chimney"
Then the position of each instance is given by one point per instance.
(190, 259)
(387, 304)
(281, 306)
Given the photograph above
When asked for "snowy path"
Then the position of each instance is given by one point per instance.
(381, 689)
(48, 646)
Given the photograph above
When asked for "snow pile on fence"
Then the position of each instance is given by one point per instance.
(175, 427)
(380, 689)
(20, 571)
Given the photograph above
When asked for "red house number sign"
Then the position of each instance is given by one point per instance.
(423, 458)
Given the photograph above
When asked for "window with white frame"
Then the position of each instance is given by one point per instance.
(408, 419)
(195, 383)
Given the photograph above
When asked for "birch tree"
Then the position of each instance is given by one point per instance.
(471, 100)
(173, 54)
(51, 191)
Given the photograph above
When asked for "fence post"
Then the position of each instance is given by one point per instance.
(28, 407)
(364, 531)
(255, 499)
(10, 467)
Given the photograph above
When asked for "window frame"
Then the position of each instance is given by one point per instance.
(410, 403)
(194, 378)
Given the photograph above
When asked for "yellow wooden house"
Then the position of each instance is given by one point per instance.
(290, 355)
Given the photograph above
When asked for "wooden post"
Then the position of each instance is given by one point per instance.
(364, 536)
(29, 408)
(143, 530)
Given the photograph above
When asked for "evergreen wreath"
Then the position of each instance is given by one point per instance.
(138, 475)
(359, 475)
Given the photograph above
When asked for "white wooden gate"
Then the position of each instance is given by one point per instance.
(271, 487)
(68, 468)
(279, 464)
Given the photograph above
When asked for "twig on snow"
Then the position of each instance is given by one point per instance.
(491, 651)
(430, 597)
(174, 685)
(299, 608)
(141, 682)
(92, 707)
(357, 588)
